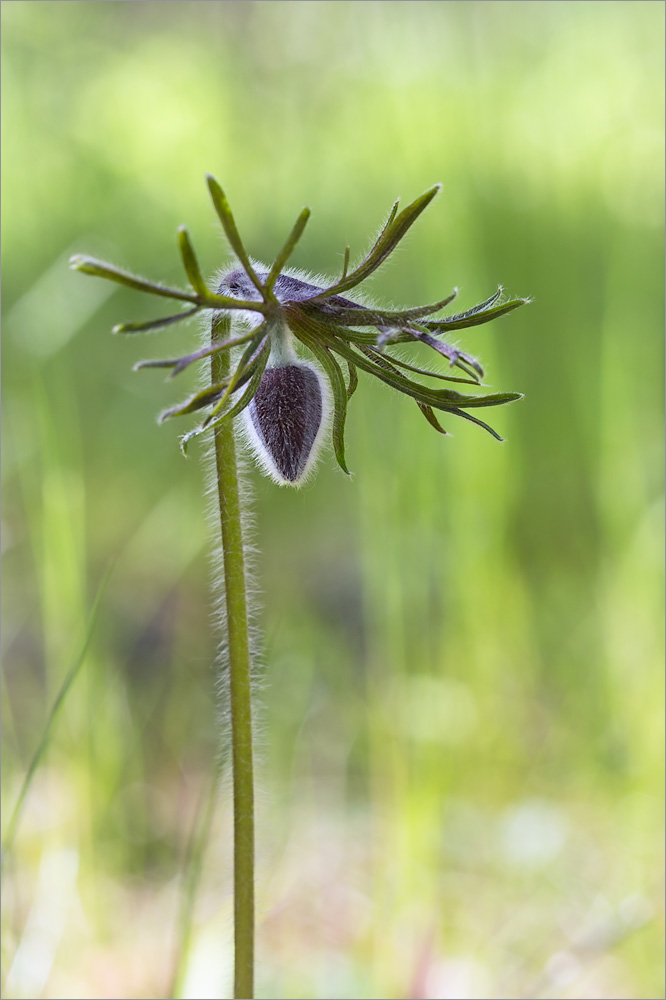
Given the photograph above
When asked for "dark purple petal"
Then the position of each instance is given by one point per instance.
(286, 414)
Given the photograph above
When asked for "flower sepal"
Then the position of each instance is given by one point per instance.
(285, 399)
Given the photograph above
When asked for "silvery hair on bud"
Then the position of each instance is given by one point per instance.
(286, 421)
(219, 605)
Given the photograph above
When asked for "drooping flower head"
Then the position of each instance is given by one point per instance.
(285, 395)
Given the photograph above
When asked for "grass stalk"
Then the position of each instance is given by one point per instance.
(226, 470)
(49, 729)
(194, 856)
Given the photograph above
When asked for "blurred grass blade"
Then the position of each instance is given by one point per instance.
(191, 874)
(229, 225)
(99, 269)
(190, 262)
(47, 735)
(287, 250)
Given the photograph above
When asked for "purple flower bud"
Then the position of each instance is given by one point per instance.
(286, 419)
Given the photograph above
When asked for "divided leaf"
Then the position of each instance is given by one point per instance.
(286, 251)
(475, 316)
(99, 269)
(229, 225)
(180, 364)
(190, 262)
(353, 380)
(328, 324)
(154, 324)
(340, 396)
(395, 228)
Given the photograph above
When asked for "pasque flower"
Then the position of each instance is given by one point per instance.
(285, 397)
(285, 351)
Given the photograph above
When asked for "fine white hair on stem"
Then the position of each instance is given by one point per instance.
(219, 611)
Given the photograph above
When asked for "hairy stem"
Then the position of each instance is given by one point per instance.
(239, 684)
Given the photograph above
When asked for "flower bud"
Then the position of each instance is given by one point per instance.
(286, 419)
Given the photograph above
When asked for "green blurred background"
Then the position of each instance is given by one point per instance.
(460, 785)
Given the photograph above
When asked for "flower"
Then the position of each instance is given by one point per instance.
(286, 399)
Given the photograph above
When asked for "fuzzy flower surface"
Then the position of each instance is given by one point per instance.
(290, 401)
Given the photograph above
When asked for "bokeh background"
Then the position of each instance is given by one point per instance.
(461, 776)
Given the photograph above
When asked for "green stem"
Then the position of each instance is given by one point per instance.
(239, 684)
